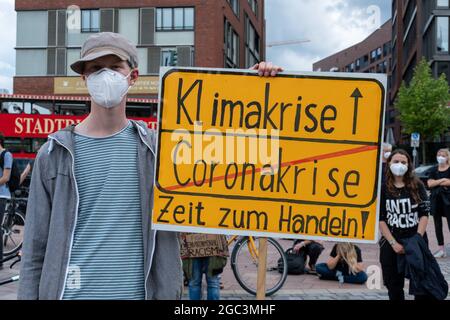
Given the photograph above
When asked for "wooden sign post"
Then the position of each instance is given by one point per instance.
(262, 267)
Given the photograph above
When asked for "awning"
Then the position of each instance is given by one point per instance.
(20, 97)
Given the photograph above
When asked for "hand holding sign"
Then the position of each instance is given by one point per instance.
(267, 69)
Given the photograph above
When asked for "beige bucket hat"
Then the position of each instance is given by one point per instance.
(104, 44)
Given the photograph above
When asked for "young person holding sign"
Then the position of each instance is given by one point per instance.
(88, 233)
(404, 210)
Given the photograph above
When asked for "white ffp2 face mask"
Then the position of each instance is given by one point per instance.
(107, 87)
(441, 160)
(399, 169)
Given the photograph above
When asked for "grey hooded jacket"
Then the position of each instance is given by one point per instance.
(52, 215)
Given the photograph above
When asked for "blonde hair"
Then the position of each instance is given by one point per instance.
(347, 251)
(446, 151)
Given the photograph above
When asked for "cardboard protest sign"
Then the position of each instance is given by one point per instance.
(292, 156)
(194, 245)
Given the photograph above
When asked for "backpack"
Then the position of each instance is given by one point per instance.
(295, 262)
(14, 180)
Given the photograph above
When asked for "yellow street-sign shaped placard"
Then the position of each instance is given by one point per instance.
(292, 156)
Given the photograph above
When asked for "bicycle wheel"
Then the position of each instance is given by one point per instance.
(244, 264)
(13, 228)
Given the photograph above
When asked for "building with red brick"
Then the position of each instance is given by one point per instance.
(50, 33)
(420, 29)
(372, 55)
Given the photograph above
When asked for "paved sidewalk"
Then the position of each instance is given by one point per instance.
(302, 287)
(309, 287)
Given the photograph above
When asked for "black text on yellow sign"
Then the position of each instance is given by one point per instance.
(292, 156)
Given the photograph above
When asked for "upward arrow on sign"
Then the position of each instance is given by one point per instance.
(356, 95)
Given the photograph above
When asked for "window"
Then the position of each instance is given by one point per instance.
(252, 44)
(373, 55)
(386, 48)
(234, 6)
(365, 61)
(394, 76)
(129, 24)
(409, 73)
(443, 67)
(382, 67)
(254, 5)
(31, 62)
(379, 53)
(189, 18)
(90, 21)
(174, 19)
(178, 18)
(32, 28)
(442, 3)
(391, 116)
(442, 34)
(169, 57)
(167, 23)
(231, 46)
(72, 56)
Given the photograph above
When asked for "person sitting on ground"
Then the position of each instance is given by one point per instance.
(345, 265)
(311, 249)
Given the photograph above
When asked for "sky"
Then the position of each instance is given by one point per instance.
(7, 43)
(328, 25)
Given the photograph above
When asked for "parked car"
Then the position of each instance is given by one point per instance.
(423, 173)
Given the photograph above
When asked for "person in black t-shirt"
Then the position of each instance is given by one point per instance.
(404, 210)
(439, 183)
(344, 265)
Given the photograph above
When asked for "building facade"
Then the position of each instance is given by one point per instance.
(420, 28)
(50, 33)
(372, 55)
(369, 56)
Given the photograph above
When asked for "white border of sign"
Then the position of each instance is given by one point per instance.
(382, 78)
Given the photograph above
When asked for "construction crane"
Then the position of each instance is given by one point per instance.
(286, 43)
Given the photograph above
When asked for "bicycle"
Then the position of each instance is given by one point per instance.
(18, 258)
(244, 263)
(13, 225)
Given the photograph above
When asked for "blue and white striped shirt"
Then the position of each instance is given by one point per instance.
(107, 259)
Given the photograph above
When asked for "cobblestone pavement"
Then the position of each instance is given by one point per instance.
(302, 287)
(333, 292)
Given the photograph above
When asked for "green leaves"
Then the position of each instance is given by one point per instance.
(423, 104)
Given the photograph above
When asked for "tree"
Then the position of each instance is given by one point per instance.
(423, 105)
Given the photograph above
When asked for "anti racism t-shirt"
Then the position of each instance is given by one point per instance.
(401, 213)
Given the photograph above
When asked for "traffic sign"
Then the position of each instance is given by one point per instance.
(297, 155)
(415, 140)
